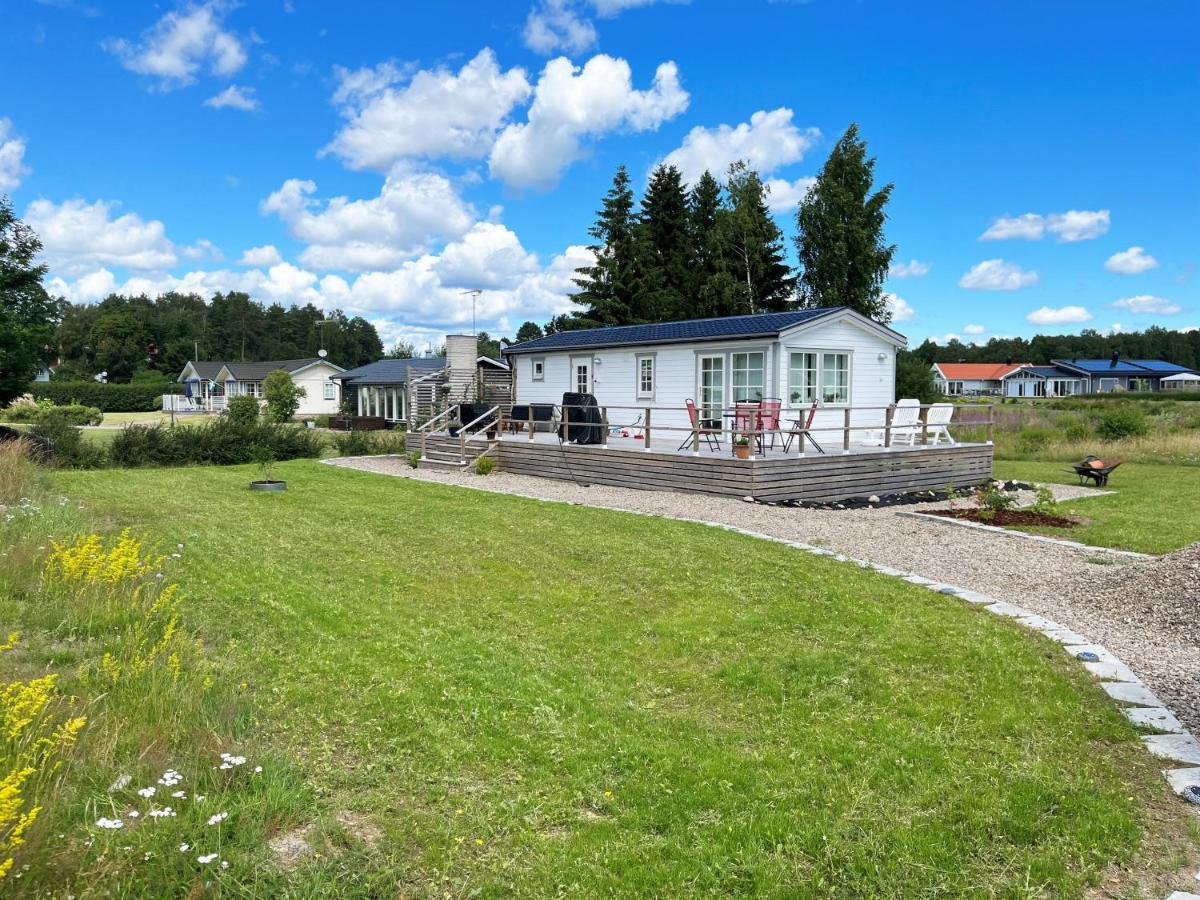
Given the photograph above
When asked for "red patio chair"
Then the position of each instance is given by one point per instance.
(710, 435)
(796, 430)
(768, 419)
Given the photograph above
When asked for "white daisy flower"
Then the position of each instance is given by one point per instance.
(206, 858)
(184, 848)
(218, 818)
(112, 824)
(146, 792)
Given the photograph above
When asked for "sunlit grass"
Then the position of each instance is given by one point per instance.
(539, 699)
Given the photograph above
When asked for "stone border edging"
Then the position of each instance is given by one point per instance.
(1177, 745)
(1043, 538)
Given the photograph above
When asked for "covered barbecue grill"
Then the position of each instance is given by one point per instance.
(581, 419)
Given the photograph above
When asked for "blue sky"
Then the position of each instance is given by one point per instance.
(384, 157)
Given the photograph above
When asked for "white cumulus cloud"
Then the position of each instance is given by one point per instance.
(180, 44)
(900, 308)
(571, 104)
(434, 113)
(412, 211)
(1064, 315)
(769, 140)
(78, 235)
(784, 196)
(12, 157)
(911, 269)
(1068, 227)
(1131, 262)
(261, 257)
(1148, 304)
(997, 275)
(555, 25)
(974, 329)
(234, 97)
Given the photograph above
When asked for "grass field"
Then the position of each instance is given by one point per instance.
(540, 699)
(1152, 508)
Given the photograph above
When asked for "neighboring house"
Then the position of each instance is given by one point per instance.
(208, 384)
(834, 357)
(971, 379)
(381, 388)
(1101, 376)
(1042, 381)
(45, 371)
(399, 389)
(1184, 381)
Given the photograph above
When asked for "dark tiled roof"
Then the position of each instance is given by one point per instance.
(391, 371)
(207, 369)
(1122, 366)
(760, 325)
(1050, 371)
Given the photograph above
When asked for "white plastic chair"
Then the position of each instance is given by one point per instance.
(906, 422)
(940, 416)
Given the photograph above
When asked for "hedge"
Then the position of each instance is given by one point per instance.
(141, 397)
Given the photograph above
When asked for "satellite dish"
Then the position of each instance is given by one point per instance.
(322, 353)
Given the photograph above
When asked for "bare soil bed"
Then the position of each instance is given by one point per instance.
(1005, 517)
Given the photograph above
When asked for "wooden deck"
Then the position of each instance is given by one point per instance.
(862, 472)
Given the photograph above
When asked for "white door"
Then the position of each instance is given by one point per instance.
(711, 388)
(581, 374)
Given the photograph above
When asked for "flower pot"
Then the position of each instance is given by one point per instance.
(491, 434)
(453, 432)
(741, 451)
(268, 485)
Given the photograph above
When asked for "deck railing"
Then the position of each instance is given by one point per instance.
(887, 429)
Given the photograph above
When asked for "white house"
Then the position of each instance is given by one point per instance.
(208, 384)
(833, 356)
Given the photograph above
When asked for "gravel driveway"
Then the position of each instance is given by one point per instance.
(1074, 587)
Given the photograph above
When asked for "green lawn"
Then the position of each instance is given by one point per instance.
(541, 699)
(1152, 510)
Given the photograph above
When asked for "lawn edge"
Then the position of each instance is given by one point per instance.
(1029, 536)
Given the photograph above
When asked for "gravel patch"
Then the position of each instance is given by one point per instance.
(1083, 590)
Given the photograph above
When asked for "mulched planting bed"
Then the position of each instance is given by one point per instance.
(1007, 517)
(885, 500)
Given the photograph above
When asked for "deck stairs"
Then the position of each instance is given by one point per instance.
(444, 452)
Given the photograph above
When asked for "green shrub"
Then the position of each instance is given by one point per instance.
(145, 396)
(369, 443)
(1073, 428)
(321, 421)
(72, 415)
(142, 445)
(414, 458)
(1031, 440)
(283, 396)
(242, 410)
(992, 498)
(1123, 422)
(221, 442)
(484, 465)
(71, 451)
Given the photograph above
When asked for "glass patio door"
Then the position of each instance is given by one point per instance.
(712, 389)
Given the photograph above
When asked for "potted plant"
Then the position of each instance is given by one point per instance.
(741, 446)
(265, 458)
(454, 428)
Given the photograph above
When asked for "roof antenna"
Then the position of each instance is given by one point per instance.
(475, 292)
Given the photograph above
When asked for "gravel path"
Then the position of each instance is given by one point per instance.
(1081, 589)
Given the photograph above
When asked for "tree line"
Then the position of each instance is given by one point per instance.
(714, 249)
(141, 337)
(1180, 347)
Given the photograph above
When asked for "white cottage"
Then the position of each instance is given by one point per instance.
(833, 356)
(208, 384)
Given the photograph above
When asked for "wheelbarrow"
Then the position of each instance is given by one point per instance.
(1095, 469)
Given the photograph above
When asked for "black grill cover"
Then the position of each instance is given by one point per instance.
(581, 425)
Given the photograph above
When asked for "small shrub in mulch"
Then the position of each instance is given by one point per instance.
(1004, 517)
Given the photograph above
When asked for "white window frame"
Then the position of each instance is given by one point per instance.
(732, 368)
(803, 400)
(537, 368)
(328, 391)
(821, 353)
(641, 390)
(573, 381)
(954, 388)
(722, 401)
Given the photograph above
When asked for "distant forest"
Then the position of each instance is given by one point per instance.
(136, 337)
(1180, 347)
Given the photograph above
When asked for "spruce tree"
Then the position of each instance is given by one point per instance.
(607, 286)
(664, 251)
(839, 233)
(754, 246)
(712, 284)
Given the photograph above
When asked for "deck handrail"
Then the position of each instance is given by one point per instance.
(424, 428)
(846, 428)
(464, 435)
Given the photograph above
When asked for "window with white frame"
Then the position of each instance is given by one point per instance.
(250, 388)
(818, 375)
(954, 388)
(330, 390)
(746, 371)
(835, 378)
(539, 369)
(645, 377)
(803, 384)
